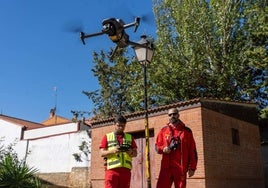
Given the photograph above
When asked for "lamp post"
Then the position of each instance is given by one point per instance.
(144, 54)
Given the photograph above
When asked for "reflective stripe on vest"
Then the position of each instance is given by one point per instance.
(121, 159)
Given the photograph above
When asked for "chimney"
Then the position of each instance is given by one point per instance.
(52, 113)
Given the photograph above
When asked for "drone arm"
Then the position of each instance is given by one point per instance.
(136, 24)
(113, 53)
(83, 36)
(137, 20)
(137, 44)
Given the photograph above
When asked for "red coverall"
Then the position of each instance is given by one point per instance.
(174, 166)
(117, 177)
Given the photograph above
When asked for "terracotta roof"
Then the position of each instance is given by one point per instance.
(246, 111)
(55, 120)
(21, 122)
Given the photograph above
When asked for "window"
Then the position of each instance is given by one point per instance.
(235, 137)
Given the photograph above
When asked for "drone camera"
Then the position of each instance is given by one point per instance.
(109, 29)
(112, 26)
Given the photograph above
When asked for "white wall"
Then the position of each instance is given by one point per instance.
(10, 133)
(50, 130)
(55, 154)
(50, 149)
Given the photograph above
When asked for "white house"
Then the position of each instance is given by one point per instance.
(50, 148)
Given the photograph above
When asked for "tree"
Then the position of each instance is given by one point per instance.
(256, 51)
(203, 44)
(205, 49)
(118, 80)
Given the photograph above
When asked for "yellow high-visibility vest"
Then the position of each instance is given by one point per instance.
(121, 159)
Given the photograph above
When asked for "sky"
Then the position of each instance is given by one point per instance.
(43, 62)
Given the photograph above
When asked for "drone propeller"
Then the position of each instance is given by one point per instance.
(74, 26)
(147, 18)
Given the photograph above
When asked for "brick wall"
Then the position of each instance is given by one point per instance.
(220, 163)
(193, 119)
(226, 163)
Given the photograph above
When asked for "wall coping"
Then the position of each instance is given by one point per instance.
(245, 111)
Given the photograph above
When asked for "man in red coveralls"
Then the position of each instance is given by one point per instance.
(176, 143)
(118, 148)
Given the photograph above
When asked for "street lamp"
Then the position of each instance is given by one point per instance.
(144, 54)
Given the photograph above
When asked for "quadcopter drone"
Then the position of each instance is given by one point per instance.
(115, 29)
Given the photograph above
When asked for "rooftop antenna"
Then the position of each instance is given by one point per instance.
(55, 98)
(55, 101)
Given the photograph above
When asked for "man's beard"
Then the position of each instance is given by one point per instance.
(119, 132)
(173, 120)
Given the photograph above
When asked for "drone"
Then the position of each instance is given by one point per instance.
(115, 29)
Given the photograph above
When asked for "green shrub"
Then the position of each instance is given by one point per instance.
(15, 173)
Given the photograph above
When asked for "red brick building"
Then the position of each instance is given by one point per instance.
(227, 139)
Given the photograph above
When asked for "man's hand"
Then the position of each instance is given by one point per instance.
(166, 150)
(132, 152)
(115, 151)
(106, 153)
(191, 173)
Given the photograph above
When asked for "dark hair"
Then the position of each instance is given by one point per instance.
(120, 119)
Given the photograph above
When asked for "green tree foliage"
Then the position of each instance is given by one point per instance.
(257, 47)
(211, 48)
(84, 150)
(119, 83)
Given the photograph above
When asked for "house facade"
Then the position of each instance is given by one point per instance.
(227, 138)
(50, 148)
